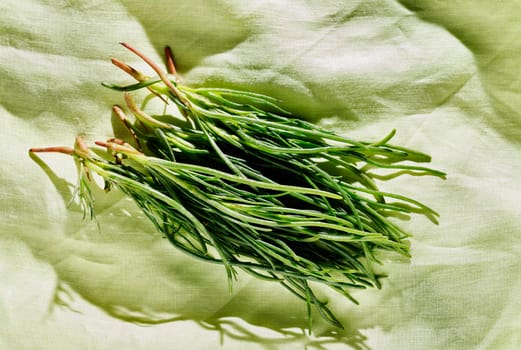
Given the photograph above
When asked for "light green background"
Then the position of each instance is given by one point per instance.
(446, 74)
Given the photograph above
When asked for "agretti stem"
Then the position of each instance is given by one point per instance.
(53, 149)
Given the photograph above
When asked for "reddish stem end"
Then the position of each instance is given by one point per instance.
(158, 70)
(128, 69)
(170, 66)
(117, 146)
(54, 149)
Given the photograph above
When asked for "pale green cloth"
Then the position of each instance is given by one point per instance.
(445, 74)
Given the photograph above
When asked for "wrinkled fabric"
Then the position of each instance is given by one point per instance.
(444, 74)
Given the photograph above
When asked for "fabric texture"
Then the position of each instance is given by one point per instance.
(445, 74)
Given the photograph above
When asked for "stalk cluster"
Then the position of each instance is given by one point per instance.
(234, 179)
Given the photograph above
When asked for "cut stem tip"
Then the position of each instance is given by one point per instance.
(116, 145)
(129, 70)
(53, 149)
(170, 66)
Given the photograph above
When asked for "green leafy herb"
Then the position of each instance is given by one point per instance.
(234, 179)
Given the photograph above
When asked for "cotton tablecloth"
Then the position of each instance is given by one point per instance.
(445, 74)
